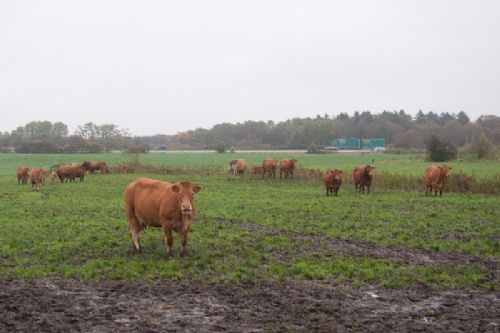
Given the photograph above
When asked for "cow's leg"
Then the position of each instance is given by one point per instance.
(184, 238)
(368, 187)
(169, 239)
(327, 190)
(134, 228)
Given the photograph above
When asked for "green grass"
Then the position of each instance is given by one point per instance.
(411, 165)
(79, 230)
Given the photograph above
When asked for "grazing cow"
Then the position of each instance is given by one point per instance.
(436, 177)
(237, 167)
(363, 176)
(333, 180)
(287, 167)
(92, 166)
(70, 173)
(37, 178)
(22, 175)
(270, 165)
(153, 203)
(256, 170)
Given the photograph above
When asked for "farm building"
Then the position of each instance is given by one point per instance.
(354, 143)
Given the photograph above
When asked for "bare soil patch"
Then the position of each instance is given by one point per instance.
(357, 248)
(45, 305)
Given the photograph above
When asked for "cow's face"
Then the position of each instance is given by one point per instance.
(445, 170)
(185, 195)
(337, 175)
(369, 170)
(293, 161)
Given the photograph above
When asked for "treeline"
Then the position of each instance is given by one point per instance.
(47, 137)
(398, 128)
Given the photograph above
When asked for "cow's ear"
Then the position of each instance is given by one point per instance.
(175, 188)
(450, 168)
(197, 188)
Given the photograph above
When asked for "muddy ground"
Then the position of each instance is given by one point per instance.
(46, 305)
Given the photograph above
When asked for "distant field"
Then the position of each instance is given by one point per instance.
(402, 164)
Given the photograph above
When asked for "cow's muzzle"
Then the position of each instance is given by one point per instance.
(186, 210)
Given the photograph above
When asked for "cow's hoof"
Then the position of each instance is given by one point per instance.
(184, 254)
(170, 254)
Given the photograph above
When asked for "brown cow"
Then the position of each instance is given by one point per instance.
(333, 180)
(70, 173)
(270, 165)
(436, 177)
(256, 170)
(363, 176)
(287, 167)
(22, 175)
(150, 202)
(92, 166)
(236, 168)
(37, 178)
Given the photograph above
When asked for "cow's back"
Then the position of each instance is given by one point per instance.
(145, 198)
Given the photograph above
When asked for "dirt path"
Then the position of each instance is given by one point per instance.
(403, 255)
(44, 305)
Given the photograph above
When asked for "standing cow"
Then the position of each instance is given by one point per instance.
(70, 173)
(363, 176)
(92, 166)
(287, 167)
(22, 175)
(37, 178)
(270, 165)
(237, 168)
(256, 170)
(333, 180)
(436, 177)
(153, 203)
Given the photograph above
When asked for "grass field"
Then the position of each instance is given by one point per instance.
(265, 255)
(414, 165)
(252, 229)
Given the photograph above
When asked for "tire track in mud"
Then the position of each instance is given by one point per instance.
(397, 254)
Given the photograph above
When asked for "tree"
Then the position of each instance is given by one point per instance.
(482, 147)
(440, 151)
(462, 118)
(88, 131)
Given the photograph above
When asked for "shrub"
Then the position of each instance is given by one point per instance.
(37, 146)
(312, 149)
(440, 150)
(482, 147)
(220, 147)
(138, 149)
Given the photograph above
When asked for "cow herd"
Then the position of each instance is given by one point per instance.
(435, 177)
(69, 172)
(170, 206)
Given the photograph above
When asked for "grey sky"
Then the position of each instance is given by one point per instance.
(169, 66)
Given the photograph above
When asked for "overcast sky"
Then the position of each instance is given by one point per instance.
(169, 66)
